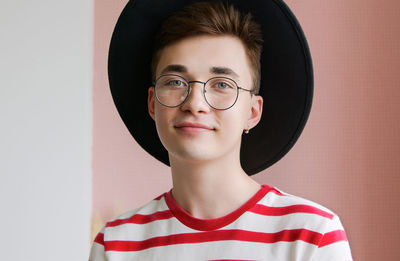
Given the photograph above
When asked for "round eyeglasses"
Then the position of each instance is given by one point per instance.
(220, 93)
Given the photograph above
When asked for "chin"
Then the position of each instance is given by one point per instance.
(193, 155)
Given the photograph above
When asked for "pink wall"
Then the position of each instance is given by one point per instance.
(348, 156)
(124, 175)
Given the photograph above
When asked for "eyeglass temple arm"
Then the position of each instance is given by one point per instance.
(251, 91)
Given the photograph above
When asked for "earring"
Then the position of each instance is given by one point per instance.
(246, 131)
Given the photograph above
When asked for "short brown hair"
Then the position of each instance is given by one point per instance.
(211, 18)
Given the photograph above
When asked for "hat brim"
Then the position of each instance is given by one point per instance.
(286, 77)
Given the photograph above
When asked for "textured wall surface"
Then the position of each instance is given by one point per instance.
(46, 52)
(347, 157)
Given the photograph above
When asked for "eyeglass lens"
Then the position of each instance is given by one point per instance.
(220, 92)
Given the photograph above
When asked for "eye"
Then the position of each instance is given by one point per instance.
(175, 83)
(172, 82)
(222, 85)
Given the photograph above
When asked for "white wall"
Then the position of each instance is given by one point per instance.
(45, 129)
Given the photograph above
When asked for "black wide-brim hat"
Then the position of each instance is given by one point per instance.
(286, 77)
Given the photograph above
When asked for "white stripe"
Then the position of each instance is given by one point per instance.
(333, 252)
(97, 253)
(274, 200)
(150, 208)
(294, 251)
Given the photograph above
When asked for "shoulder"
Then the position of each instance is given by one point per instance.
(127, 224)
(142, 215)
(291, 204)
(295, 212)
(292, 212)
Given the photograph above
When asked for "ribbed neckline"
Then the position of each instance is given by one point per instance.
(212, 224)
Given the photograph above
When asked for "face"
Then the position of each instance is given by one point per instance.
(194, 131)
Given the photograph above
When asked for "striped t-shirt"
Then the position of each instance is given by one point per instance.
(272, 225)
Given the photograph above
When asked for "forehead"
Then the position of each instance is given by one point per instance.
(206, 56)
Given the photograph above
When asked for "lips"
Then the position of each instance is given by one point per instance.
(193, 126)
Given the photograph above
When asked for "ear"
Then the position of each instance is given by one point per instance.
(256, 111)
(150, 102)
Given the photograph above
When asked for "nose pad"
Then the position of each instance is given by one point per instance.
(195, 100)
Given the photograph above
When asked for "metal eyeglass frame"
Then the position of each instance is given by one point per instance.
(189, 88)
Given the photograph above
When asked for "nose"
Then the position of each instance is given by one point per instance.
(195, 102)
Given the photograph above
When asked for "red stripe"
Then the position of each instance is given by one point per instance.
(273, 190)
(99, 239)
(333, 237)
(217, 235)
(215, 223)
(141, 219)
(281, 211)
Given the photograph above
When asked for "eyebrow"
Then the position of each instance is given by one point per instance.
(174, 68)
(214, 70)
(223, 70)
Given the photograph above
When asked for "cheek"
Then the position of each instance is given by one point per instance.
(233, 122)
(164, 120)
(160, 117)
(162, 126)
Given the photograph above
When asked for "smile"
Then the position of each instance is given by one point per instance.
(193, 129)
(190, 127)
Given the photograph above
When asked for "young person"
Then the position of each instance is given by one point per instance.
(213, 75)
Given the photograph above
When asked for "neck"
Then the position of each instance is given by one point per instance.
(211, 189)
